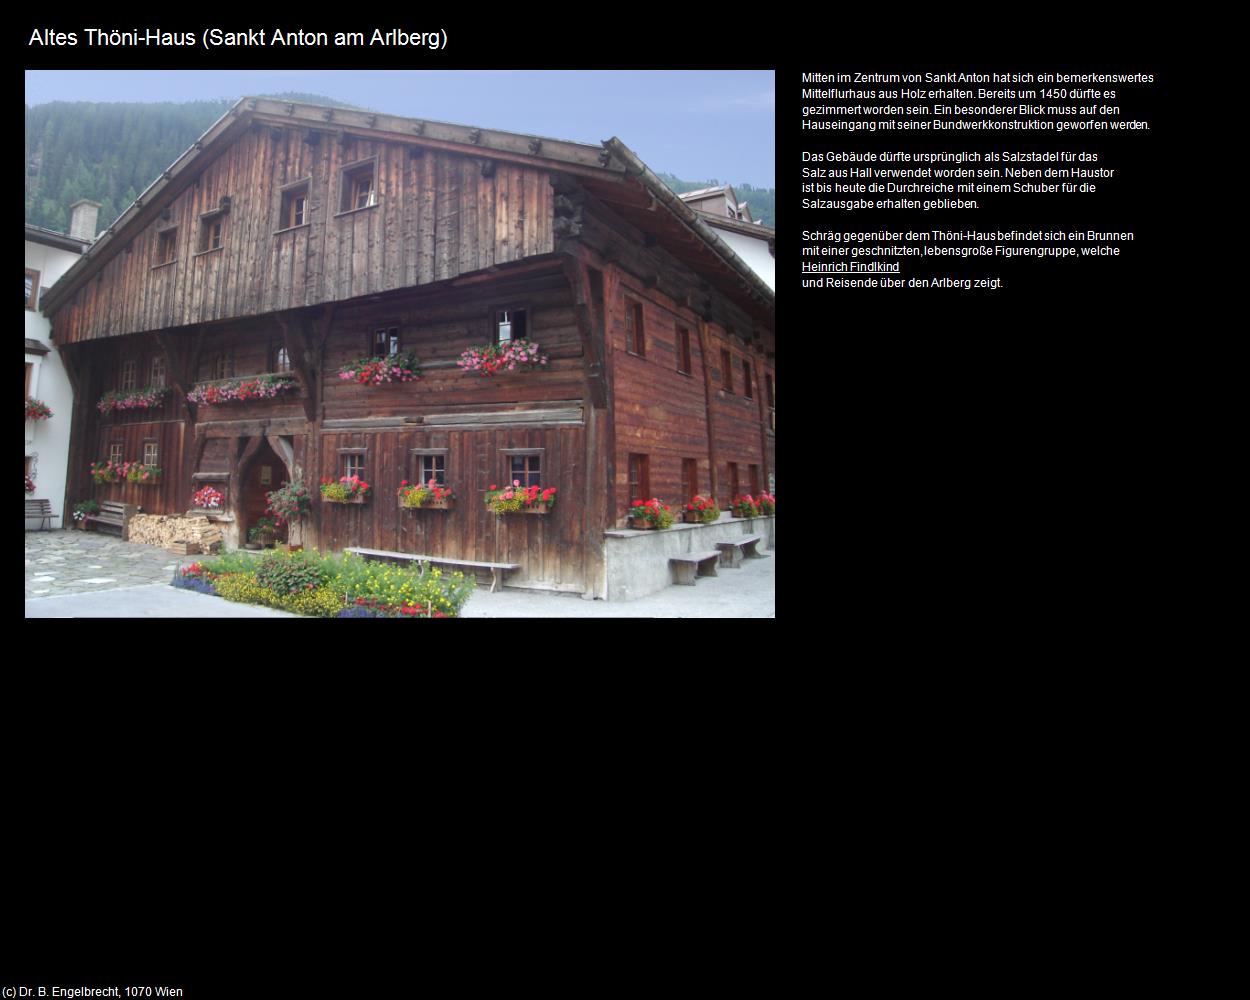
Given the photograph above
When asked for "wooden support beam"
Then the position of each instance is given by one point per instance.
(590, 325)
(707, 399)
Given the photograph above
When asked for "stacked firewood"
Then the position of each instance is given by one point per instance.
(180, 535)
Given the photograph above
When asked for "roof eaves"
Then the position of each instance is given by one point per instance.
(692, 219)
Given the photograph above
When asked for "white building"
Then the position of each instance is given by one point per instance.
(754, 242)
(48, 256)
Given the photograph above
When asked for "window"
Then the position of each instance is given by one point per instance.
(127, 380)
(294, 211)
(753, 476)
(726, 371)
(32, 288)
(166, 246)
(151, 453)
(115, 453)
(156, 373)
(279, 359)
(223, 365)
(511, 324)
(433, 467)
(353, 464)
(746, 379)
(386, 342)
(359, 190)
(210, 231)
(735, 489)
(30, 370)
(770, 398)
(635, 337)
(683, 350)
(639, 477)
(690, 476)
(525, 469)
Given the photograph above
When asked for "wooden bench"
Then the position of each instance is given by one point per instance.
(685, 566)
(114, 515)
(732, 553)
(497, 570)
(41, 509)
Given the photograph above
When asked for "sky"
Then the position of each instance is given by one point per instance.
(697, 124)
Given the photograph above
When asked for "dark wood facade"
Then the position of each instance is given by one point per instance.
(460, 226)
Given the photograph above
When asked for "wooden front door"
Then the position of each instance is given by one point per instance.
(264, 475)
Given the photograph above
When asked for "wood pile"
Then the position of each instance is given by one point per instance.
(180, 535)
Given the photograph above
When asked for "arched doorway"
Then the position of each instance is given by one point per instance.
(265, 472)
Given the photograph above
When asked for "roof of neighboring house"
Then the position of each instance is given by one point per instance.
(35, 347)
(610, 171)
(756, 229)
(708, 192)
(37, 234)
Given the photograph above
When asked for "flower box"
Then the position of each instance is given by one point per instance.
(645, 515)
(431, 496)
(691, 517)
(449, 503)
(493, 359)
(242, 390)
(148, 398)
(518, 499)
(382, 371)
(349, 489)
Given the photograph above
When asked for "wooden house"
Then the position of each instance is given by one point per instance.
(293, 239)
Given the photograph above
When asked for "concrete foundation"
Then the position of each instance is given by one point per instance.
(636, 562)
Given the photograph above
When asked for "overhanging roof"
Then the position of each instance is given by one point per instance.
(611, 171)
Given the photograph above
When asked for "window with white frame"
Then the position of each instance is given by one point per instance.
(115, 452)
(129, 375)
(151, 453)
(156, 374)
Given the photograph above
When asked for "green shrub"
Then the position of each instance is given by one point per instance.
(288, 573)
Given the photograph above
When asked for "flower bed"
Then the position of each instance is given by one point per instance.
(767, 503)
(37, 410)
(520, 499)
(490, 359)
(242, 390)
(148, 398)
(342, 586)
(380, 371)
(431, 496)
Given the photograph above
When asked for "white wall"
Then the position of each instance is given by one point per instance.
(754, 252)
(48, 440)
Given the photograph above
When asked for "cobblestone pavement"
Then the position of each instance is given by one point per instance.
(78, 562)
(132, 581)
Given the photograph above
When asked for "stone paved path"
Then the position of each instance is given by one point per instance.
(133, 581)
(77, 562)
